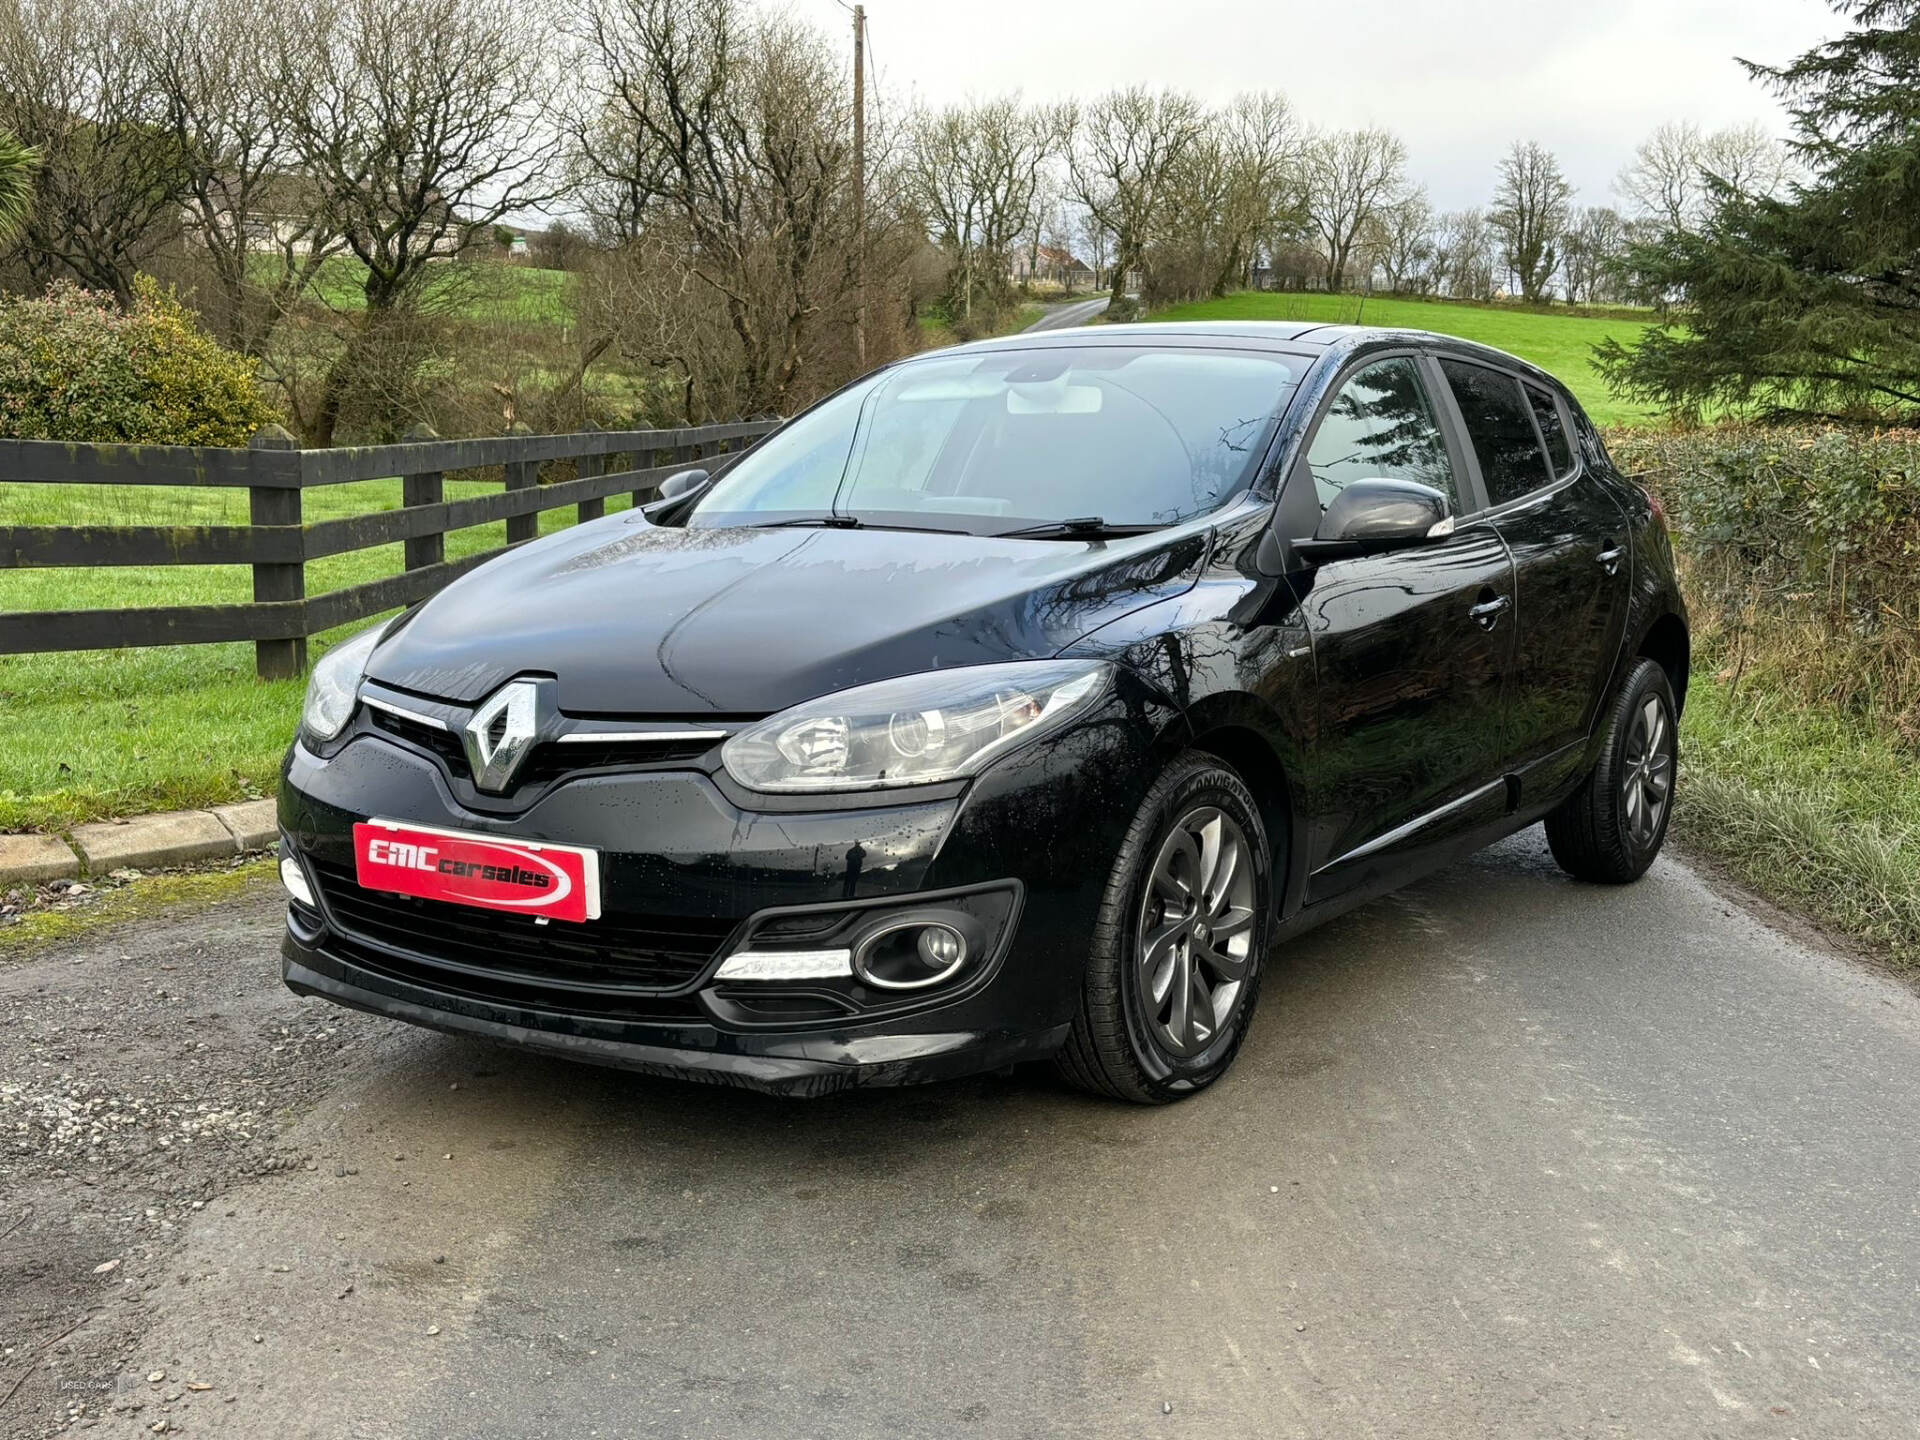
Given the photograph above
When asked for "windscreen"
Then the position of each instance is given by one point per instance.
(1008, 440)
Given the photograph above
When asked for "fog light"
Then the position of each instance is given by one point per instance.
(910, 955)
(295, 879)
(942, 947)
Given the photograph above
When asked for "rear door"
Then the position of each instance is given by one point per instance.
(1410, 648)
(1572, 580)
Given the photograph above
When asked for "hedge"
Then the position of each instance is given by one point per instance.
(74, 366)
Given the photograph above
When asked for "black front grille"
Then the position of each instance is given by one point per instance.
(430, 738)
(549, 762)
(474, 951)
(554, 761)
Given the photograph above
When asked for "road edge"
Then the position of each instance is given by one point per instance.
(143, 842)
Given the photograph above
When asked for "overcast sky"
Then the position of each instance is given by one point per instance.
(1459, 80)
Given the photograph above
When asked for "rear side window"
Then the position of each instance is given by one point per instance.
(1500, 424)
(1380, 426)
(1559, 453)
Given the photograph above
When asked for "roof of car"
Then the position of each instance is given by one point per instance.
(1293, 336)
(1272, 332)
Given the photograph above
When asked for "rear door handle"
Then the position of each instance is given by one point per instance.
(1609, 559)
(1487, 613)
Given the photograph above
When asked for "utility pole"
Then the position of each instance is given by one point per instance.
(860, 184)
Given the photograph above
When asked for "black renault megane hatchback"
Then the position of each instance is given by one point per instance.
(1014, 702)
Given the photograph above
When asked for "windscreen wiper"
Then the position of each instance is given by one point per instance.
(1082, 527)
(827, 522)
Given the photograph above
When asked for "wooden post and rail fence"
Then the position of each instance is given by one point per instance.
(278, 542)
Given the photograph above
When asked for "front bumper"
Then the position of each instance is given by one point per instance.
(780, 1065)
(681, 852)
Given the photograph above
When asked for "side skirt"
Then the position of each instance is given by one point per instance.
(1416, 865)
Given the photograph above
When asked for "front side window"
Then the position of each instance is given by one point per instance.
(1011, 439)
(1500, 424)
(1380, 425)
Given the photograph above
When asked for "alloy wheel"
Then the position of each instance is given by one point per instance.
(1646, 782)
(1195, 931)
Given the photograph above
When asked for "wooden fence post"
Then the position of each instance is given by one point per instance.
(277, 505)
(643, 460)
(522, 475)
(426, 488)
(591, 465)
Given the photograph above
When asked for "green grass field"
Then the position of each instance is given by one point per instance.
(1561, 344)
(118, 732)
(499, 292)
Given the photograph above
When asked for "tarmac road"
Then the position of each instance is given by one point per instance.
(1504, 1156)
(1065, 317)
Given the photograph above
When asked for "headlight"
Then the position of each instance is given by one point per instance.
(334, 686)
(915, 730)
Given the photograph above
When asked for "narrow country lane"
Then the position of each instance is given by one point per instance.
(1065, 317)
(1505, 1156)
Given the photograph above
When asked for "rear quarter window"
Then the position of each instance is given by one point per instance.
(1547, 411)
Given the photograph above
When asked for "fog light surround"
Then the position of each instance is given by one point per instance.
(295, 880)
(914, 954)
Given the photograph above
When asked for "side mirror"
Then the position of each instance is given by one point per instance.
(1374, 515)
(682, 482)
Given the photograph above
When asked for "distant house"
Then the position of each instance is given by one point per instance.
(1048, 264)
(279, 219)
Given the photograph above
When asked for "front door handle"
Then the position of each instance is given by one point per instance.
(1609, 559)
(1487, 613)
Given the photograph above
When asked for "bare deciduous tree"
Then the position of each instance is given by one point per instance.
(1258, 149)
(1126, 146)
(1747, 159)
(1663, 180)
(1666, 182)
(1530, 210)
(1406, 241)
(76, 83)
(1464, 255)
(226, 72)
(719, 142)
(1351, 175)
(420, 124)
(981, 173)
(1589, 251)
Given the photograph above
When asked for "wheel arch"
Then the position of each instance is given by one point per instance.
(1222, 731)
(1669, 646)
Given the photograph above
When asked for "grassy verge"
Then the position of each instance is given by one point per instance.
(115, 902)
(1815, 810)
(120, 732)
(937, 332)
(1560, 342)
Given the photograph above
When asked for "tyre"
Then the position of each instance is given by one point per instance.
(1609, 830)
(1174, 968)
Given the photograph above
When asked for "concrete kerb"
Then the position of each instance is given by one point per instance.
(144, 842)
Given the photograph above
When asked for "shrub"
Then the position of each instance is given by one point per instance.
(1802, 552)
(73, 366)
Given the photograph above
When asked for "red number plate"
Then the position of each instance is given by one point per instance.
(560, 882)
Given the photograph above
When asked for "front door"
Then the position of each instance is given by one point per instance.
(1411, 648)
